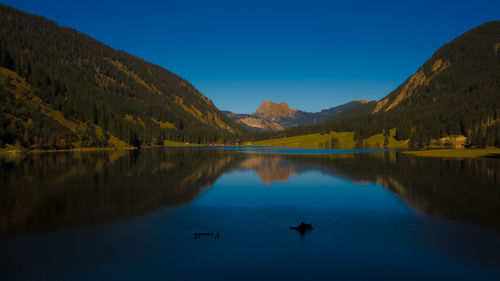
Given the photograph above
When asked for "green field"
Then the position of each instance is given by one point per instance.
(176, 143)
(378, 141)
(457, 153)
(345, 141)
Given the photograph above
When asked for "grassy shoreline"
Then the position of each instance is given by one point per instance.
(457, 153)
(10, 149)
(344, 140)
(83, 149)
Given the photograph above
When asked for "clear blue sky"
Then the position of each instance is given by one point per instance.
(310, 54)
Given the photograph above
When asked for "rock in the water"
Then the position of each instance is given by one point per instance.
(302, 227)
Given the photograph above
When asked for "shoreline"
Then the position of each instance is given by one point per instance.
(457, 153)
(89, 149)
(432, 153)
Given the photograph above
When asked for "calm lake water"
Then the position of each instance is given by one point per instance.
(132, 215)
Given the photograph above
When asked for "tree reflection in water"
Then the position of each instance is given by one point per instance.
(48, 191)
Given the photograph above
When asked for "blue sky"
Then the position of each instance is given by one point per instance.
(310, 54)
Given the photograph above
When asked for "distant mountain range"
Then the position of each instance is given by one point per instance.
(272, 116)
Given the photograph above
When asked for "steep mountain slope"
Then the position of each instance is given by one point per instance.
(253, 123)
(272, 116)
(61, 89)
(456, 92)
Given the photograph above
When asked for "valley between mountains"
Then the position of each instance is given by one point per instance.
(61, 89)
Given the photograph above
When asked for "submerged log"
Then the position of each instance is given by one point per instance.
(197, 235)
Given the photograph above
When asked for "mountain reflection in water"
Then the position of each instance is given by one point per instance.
(46, 191)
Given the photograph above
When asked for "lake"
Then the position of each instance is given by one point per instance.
(134, 215)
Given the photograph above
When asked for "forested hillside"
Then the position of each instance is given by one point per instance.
(62, 89)
(456, 92)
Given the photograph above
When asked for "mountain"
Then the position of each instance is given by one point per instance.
(60, 88)
(456, 93)
(272, 116)
(275, 112)
(254, 123)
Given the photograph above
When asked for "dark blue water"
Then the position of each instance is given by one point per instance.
(132, 215)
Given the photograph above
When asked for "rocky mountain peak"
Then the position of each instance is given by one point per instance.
(273, 111)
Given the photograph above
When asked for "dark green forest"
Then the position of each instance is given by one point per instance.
(456, 92)
(106, 97)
